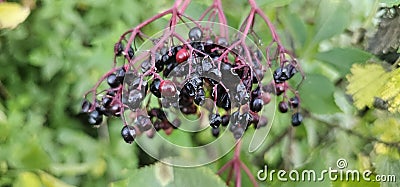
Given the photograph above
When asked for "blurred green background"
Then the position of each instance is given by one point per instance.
(49, 61)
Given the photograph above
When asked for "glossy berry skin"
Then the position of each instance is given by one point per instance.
(215, 120)
(113, 81)
(182, 55)
(225, 120)
(143, 123)
(297, 118)
(118, 48)
(155, 87)
(283, 107)
(195, 34)
(86, 105)
(215, 132)
(167, 88)
(294, 102)
(120, 74)
(256, 105)
(95, 117)
(128, 133)
(279, 88)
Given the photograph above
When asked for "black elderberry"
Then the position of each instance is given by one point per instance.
(95, 117)
(155, 87)
(120, 74)
(256, 93)
(112, 81)
(256, 105)
(215, 120)
(297, 118)
(131, 53)
(283, 107)
(223, 101)
(238, 133)
(135, 98)
(294, 102)
(222, 41)
(86, 105)
(106, 101)
(118, 49)
(195, 34)
(225, 120)
(143, 123)
(279, 88)
(282, 74)
(215, 132)
(200, 97)
(128, 133)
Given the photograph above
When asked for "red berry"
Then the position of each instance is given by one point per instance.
(167, 88)
(182, 55)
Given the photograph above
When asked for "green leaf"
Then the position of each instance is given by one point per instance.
(365, 83)
(50, 181)
(273, 3)
(165, 175)
(390, 3)
(332, 18)
(295, 26)
(317, 95)
(343, 58)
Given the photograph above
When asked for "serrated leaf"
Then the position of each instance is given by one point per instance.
(365, 83)
(165, 175)
(390, 3)
(317, 95)
(12, 14)
(343, 58)
(391, 91)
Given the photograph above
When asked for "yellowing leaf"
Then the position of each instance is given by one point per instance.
(27, 179)
(365, 83)
(50, 181)
(391, 91)
(12, 14)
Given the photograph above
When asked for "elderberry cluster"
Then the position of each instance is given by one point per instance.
(202, 74)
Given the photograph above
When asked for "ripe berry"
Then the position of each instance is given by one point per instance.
(297, 118)
(200, 97)
(143, 123)
(279, 88)
(256, 105)
(120, 74)
(215, 132)
(182, 55)
(128, 133)
(113, 81)
(155, 87)
(95, 117)
(86, 105)
(294, 102)
(135, 98)
(238, 133)
(195, 34)
(225, 120)
(283, 107)
(222, 41)
(215, 120)
(118, 49)
(167, 88)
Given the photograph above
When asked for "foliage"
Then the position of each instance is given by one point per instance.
(60, 50)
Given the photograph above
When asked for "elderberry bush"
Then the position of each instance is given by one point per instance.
(194, 69)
